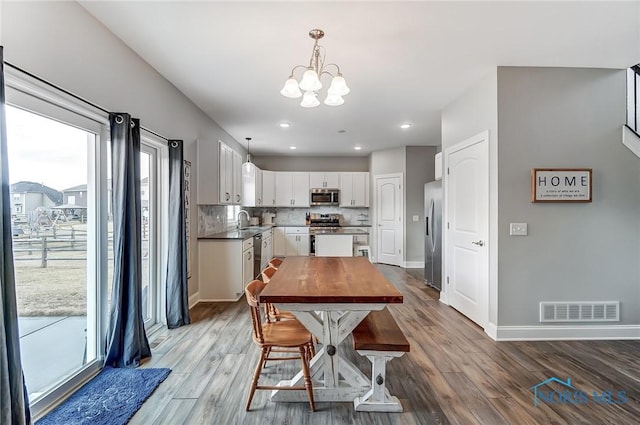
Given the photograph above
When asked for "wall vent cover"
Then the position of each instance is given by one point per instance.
(580, 311)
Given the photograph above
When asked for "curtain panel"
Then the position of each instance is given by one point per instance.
(127, 342)
(177, 297)
(14, 401)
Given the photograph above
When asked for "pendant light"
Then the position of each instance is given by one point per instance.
(248, 168)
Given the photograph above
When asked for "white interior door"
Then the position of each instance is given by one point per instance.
(389, 219)
(467, 215)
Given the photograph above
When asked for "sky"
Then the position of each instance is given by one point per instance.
(45, 151)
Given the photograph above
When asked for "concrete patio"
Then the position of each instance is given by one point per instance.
(51, 347)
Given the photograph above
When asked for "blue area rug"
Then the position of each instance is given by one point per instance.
(111, 398)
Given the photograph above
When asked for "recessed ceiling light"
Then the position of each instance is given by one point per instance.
(405, 125)
(285, 124)
(358, 148)
(292, 147)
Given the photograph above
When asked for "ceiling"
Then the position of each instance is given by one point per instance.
(403, 61)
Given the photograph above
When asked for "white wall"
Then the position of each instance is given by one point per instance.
(312, 163)
(474, 112)
(62, 43)
(559, 117)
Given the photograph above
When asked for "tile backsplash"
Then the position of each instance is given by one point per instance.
(213, 218)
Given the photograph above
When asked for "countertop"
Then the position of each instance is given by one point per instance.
(240, 234)
(249, 232)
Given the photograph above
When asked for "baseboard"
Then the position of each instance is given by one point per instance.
(194, 299)
(544, 333)
(414, 264)
(492, 331)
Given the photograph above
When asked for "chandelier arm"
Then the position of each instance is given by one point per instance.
(336, 65)
(326, 72)
(296, 67)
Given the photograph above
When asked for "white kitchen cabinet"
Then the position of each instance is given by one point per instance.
(236, 177)
(324, 180)
(225, 266)
(297, 241)
(354, 189)
(267, 249)
(219, 174)
(251, 185)
(268, 188)
(247, 267)
(226, 174)
(334, 245)
(279, 242)
(292, 189)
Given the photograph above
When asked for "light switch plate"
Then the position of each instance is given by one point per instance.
(518, 229)
(416, 218)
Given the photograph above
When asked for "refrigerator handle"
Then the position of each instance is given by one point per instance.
(426, 225)
(432, 211)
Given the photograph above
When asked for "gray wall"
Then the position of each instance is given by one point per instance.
(420, 169)
(558, 117)
(62, 43)
(475, 112)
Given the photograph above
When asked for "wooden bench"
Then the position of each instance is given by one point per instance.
(379, 338)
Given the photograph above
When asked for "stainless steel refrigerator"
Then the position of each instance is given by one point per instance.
(433, 234)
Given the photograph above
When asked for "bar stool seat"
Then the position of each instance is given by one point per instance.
(364, 251)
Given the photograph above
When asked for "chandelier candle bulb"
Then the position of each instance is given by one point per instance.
(310, 82)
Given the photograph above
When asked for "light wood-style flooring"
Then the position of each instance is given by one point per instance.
(454, 373)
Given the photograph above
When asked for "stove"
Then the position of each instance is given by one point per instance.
(324, 221)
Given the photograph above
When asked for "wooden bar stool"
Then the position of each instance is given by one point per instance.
(272, 312)
(272, 337)
(275, 262)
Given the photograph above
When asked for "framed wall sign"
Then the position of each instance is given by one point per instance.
(561, 185)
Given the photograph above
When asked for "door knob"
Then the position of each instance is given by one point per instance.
(479, 243)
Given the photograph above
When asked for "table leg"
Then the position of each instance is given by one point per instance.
(334, 377)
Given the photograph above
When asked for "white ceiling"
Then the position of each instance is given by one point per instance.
(404, 61)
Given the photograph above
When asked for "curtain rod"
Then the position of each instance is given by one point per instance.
(67, 92)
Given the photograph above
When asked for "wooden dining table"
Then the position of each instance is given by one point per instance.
(330, 296)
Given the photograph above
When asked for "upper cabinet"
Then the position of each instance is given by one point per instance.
(354, 189)
(251, 185)
(322, 180)
(292, 189)
(268, 188)
(219, 174)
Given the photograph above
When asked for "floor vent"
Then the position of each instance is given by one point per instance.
(601, 311)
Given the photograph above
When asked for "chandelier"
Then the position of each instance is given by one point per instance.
(310, 82)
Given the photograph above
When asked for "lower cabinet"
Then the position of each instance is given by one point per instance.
(267, 250)
(225, 266)
(297, 241)
(291, 241)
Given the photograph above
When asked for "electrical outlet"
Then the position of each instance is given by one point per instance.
(518, 229)
(416, 218)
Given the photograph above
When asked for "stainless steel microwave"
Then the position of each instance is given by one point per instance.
(325, 197)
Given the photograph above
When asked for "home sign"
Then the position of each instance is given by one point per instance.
(561, 185)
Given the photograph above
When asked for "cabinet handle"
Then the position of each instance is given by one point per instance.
(227, 195)
(259, 201)
(265, 244)
(237, 198)
(248, 256)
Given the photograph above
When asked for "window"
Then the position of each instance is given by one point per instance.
(61, 260)
(71, 200)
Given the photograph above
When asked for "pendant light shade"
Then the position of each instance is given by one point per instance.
(310, 81)
(309, 100)
(333, 100)
(339, 86)
(291, 88)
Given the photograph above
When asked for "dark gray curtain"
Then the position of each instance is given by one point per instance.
(177, 301)
(127, 342)
(14, 402)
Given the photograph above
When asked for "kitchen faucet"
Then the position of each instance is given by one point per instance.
(239, 219)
